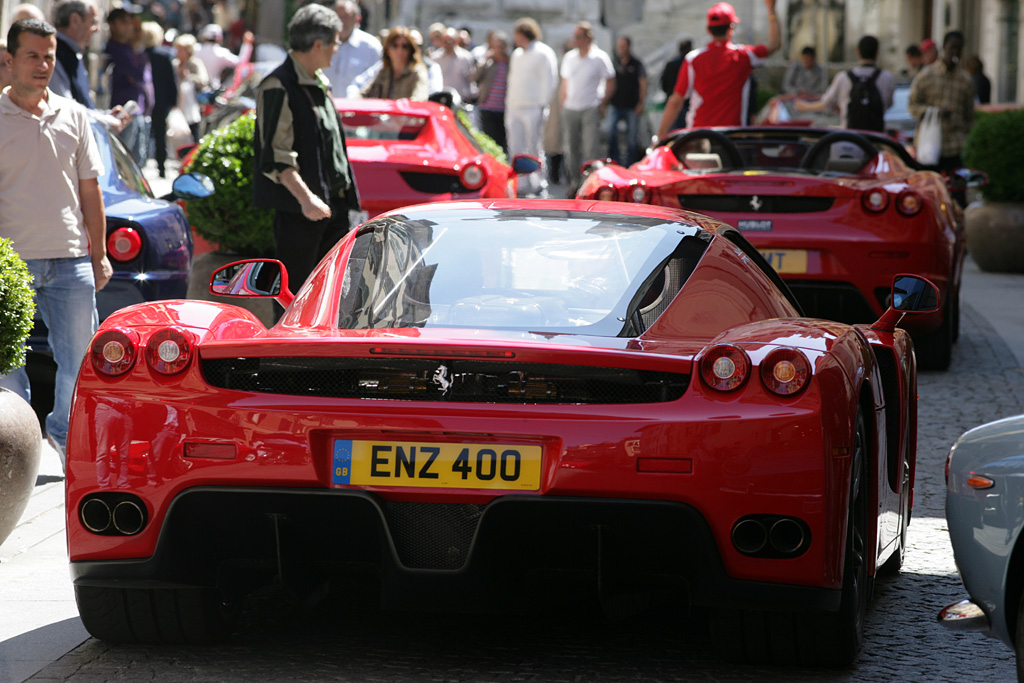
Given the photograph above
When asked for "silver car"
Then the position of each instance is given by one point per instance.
(985, 514)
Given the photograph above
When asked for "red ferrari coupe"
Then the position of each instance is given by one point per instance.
(405, 152)
(493, 404)
(836, 213)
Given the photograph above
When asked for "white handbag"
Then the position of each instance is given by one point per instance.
(929, 138)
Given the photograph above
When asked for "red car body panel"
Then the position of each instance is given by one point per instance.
(726, 455)
(440, 147)
(845, 244)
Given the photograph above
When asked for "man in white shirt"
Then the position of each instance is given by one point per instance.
(457, 65)
(588, 82)
(532, 79)
(217, 58)
(357, 52)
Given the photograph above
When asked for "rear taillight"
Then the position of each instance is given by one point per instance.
(638, 193)
(114, 351)
(909, 203)
(875, 200)
(170, 350)
(606, 193)
(785, 372)
(124, 244)
(724, 367)
(473, 176)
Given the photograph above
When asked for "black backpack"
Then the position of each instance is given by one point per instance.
(865, 110)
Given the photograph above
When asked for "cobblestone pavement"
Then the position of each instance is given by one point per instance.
(284, 643)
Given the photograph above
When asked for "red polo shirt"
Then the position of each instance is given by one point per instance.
(714, 78)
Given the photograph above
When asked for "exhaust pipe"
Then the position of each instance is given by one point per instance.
(786, 536)
(749, 536)
(95, 515)
(128, 517)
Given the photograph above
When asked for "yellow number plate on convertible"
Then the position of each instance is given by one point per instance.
(436, 465)
(786, 260)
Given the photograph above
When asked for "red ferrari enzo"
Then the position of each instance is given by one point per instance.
(836, 213)
(491, 404)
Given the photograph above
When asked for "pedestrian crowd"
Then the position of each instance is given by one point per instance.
(162, 58)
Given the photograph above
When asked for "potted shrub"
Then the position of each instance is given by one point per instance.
(227, 218)
(20, 438)
(995, 225)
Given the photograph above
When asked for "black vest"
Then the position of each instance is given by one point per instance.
(308, 133)
(77, 75)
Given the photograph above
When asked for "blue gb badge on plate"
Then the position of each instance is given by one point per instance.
(341, 472)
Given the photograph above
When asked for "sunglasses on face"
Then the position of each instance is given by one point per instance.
(401, 45)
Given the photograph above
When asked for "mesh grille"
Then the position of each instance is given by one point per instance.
(434, 183)
(449, 380)
(833, 301)
(432, 535)
(745, 203)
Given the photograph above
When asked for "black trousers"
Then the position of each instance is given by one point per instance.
(158, 131)
(493, 123)
(300, 243)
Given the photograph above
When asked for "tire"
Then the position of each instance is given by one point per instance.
(934, 350)
(156, 616)
(758, 637)
(1018, 640)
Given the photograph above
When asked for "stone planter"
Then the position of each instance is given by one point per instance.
(995, 236)
(20, 445)
(204, 265)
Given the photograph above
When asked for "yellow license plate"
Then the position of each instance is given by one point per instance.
(436, 465)
(786, 260)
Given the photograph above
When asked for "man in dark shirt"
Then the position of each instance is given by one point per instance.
(627, 103)
(130, 75)
(671, 73)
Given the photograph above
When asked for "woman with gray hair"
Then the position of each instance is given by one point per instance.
(302, 170)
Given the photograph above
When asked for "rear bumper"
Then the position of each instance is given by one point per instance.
(497, 555)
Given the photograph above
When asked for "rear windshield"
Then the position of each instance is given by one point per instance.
(381, 125)
(555, 271)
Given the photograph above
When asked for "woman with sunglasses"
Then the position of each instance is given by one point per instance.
(402, 72)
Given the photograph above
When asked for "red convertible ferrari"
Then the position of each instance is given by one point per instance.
(836, 213)
(493, 404)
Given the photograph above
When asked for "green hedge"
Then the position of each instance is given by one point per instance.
(995, 145)
(228, 218)
(16, 308)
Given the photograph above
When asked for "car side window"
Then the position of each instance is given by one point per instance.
(127, 169)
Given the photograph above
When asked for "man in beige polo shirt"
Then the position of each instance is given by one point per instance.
(51, 208)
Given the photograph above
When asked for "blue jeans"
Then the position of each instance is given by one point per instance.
(615, 115)
(65, 294)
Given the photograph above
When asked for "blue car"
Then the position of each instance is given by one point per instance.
(149, 243)
(985, 516)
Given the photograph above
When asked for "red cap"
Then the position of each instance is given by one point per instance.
(722, 14)
(928, 44)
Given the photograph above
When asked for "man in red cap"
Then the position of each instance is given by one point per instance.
(715, 77)
(929, 52)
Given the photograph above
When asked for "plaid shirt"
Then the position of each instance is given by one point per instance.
(951, 90)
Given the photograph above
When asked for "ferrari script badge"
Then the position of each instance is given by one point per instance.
(441, 379)
(756, 203)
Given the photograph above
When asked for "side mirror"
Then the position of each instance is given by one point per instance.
(908, 294)
(252, 278)
(525, 163)
(192, 186)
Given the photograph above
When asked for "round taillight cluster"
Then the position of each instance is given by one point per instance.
(113, 351)
(724, 367)
(606, 193)
(473, 176)
(169, 350)
(637, 193)
(875, 200)
(124, 244)
(785, 371)
(909, 203)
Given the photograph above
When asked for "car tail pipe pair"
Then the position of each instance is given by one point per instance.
(113, 514)
(771, 536)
